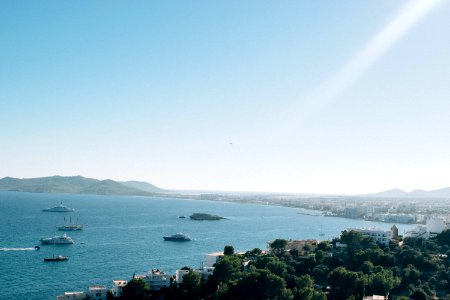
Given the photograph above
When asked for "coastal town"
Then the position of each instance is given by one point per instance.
(157, 279)
(370, 208)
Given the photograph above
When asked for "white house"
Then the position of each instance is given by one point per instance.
(97, 292)
(380, 236)
(72, 296)
(156, 279)
(206, 272)
(179, 275)
(117, 287)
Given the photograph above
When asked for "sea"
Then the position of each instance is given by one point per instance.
(123, 235)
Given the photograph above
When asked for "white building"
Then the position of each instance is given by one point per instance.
(117, 288)
(206, 272)
(72, 296)
(179, 274)
(380, 236)
(417, 232)
(97, 292)
(156, 279)
(435, 226)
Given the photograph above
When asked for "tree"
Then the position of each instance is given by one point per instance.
(260, 284)
(351, 237)
(277, 267)
(229, 267)
(278, 245)
(443, 238)
(192, 281)
(228, 250)
(345, 283)
(418, 294)
(135, 289)
(382, 283)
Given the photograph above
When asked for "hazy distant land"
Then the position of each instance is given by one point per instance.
(78, 185)
(83, 185)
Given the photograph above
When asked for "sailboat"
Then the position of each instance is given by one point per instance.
(69, 227)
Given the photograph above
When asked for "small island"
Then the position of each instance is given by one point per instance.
(207, 217)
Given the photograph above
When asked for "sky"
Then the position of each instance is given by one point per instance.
(339, 97)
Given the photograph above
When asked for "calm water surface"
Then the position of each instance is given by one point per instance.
(123, 235)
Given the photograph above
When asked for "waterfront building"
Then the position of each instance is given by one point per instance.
(205, 272)
(117, 288)
(97, 292)
(435, 226)
(179, 274)
(394, 232)
(417, 232)
(72, 296)
(156, 279)
(382, 237)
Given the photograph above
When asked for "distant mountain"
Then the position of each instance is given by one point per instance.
(72, 185)
(111, 187)
(143, 186)
(397, 193)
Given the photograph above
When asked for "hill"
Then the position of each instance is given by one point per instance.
(72, 185)
(397, 193)
(143, 186)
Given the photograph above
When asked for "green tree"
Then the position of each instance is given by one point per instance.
(277, 267)
(278, 245)
(228, 268)
(136, 289)
(228, 250)
(351, 237)
(382, 283)
(443, 238)
(192, 281)
(345, 283)
(418, 294)
(260, 284)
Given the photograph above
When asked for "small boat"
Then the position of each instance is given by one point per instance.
(182, 217)
(56, 258)
(63, 239)
(179, 237)
(37, 248)
(59, 208)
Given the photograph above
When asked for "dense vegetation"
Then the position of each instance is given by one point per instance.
(413, 268)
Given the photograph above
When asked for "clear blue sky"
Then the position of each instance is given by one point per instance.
(286, 96)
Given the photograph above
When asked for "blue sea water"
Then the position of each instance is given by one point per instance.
(123, 235)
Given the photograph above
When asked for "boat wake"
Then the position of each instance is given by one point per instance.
(18, 249)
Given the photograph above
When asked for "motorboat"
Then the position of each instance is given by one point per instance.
(59, 208)
(63, 239)
(179, 237)
(56, 258)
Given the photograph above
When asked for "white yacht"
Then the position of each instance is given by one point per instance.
(59, 208)
(63, 239)
(179, 237)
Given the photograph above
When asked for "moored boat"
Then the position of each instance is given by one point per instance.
(179, 237)
(69, 226)
(63, 239)
(59, 208)
(56, 258)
